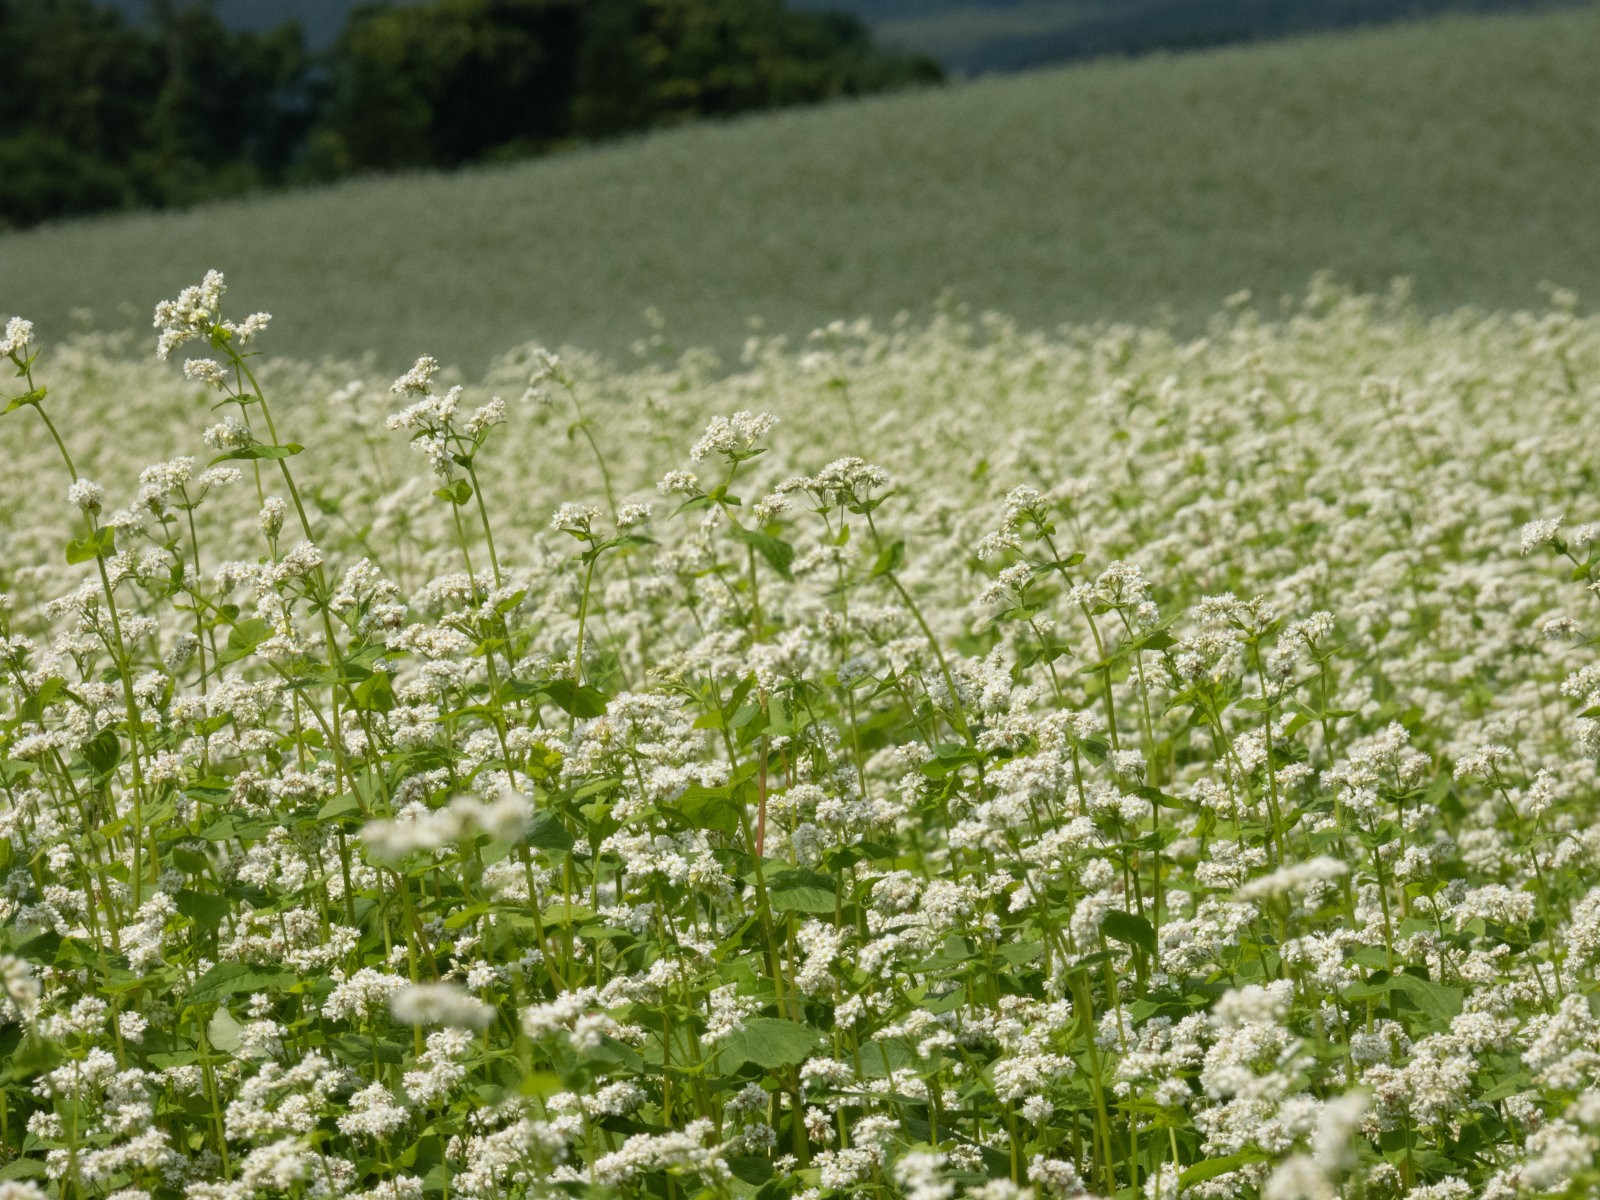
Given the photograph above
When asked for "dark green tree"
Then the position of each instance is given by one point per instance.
(228, 95)
(653, 62)
(99, 113)
(73, 107)
(442, 84)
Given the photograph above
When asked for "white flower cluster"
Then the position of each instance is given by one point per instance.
(419, 828)
(196, 312)
(1153, 772)
(733, 436)
(17, 337)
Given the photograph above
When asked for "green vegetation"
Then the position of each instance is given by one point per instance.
(98, 114)
(1458, 153)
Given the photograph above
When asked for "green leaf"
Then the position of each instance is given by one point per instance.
(597, 787)
(548, 833)
(881, 1057)
(801, 891)
(228, 979)
(33, 1056)
(575, 699)
(1210, 1168)
(890, 558)
(750, 1168)
(190, 861)
(1520, 1082)
(244, 637)
(100, 544)
(710, 808)
(220, 830)
(345, 804)
(511, 602)
(103, 752)
(224, 1032)
(1159, 798)
(52, 689)
(1129, 928)
(202, 908)
(778, 553)
(374, 694)
(1159, 638)
(616, 1053)
(260, 450)
(358, 1049)
(23, 400)
(463, 917)
(1435, 999)
(1017, 953)
(768, 1042)
(541, 1084)
(458, 492)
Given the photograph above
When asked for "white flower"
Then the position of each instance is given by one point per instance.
(1539, 533)
(683, 483)
(272, 515)
(205, 370)
(87, 495)
(418, 380)
(192, 315)
(439, 1004)
(630, 515)
(575, 518)
(18, 336)
(1294, 877)
(374, 1112)
(734, 436)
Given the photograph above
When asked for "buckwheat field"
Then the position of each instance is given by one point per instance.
(925, 760)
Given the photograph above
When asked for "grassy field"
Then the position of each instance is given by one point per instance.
(1459, 153)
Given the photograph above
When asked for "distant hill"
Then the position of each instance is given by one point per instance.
(971, 36)
(1459, 152)
(998, 35)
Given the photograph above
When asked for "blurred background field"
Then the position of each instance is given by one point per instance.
(1459, 152)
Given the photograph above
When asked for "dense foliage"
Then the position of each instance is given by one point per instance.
(1158, 769)
(98, 113)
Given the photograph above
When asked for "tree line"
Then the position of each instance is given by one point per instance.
(99, 113)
